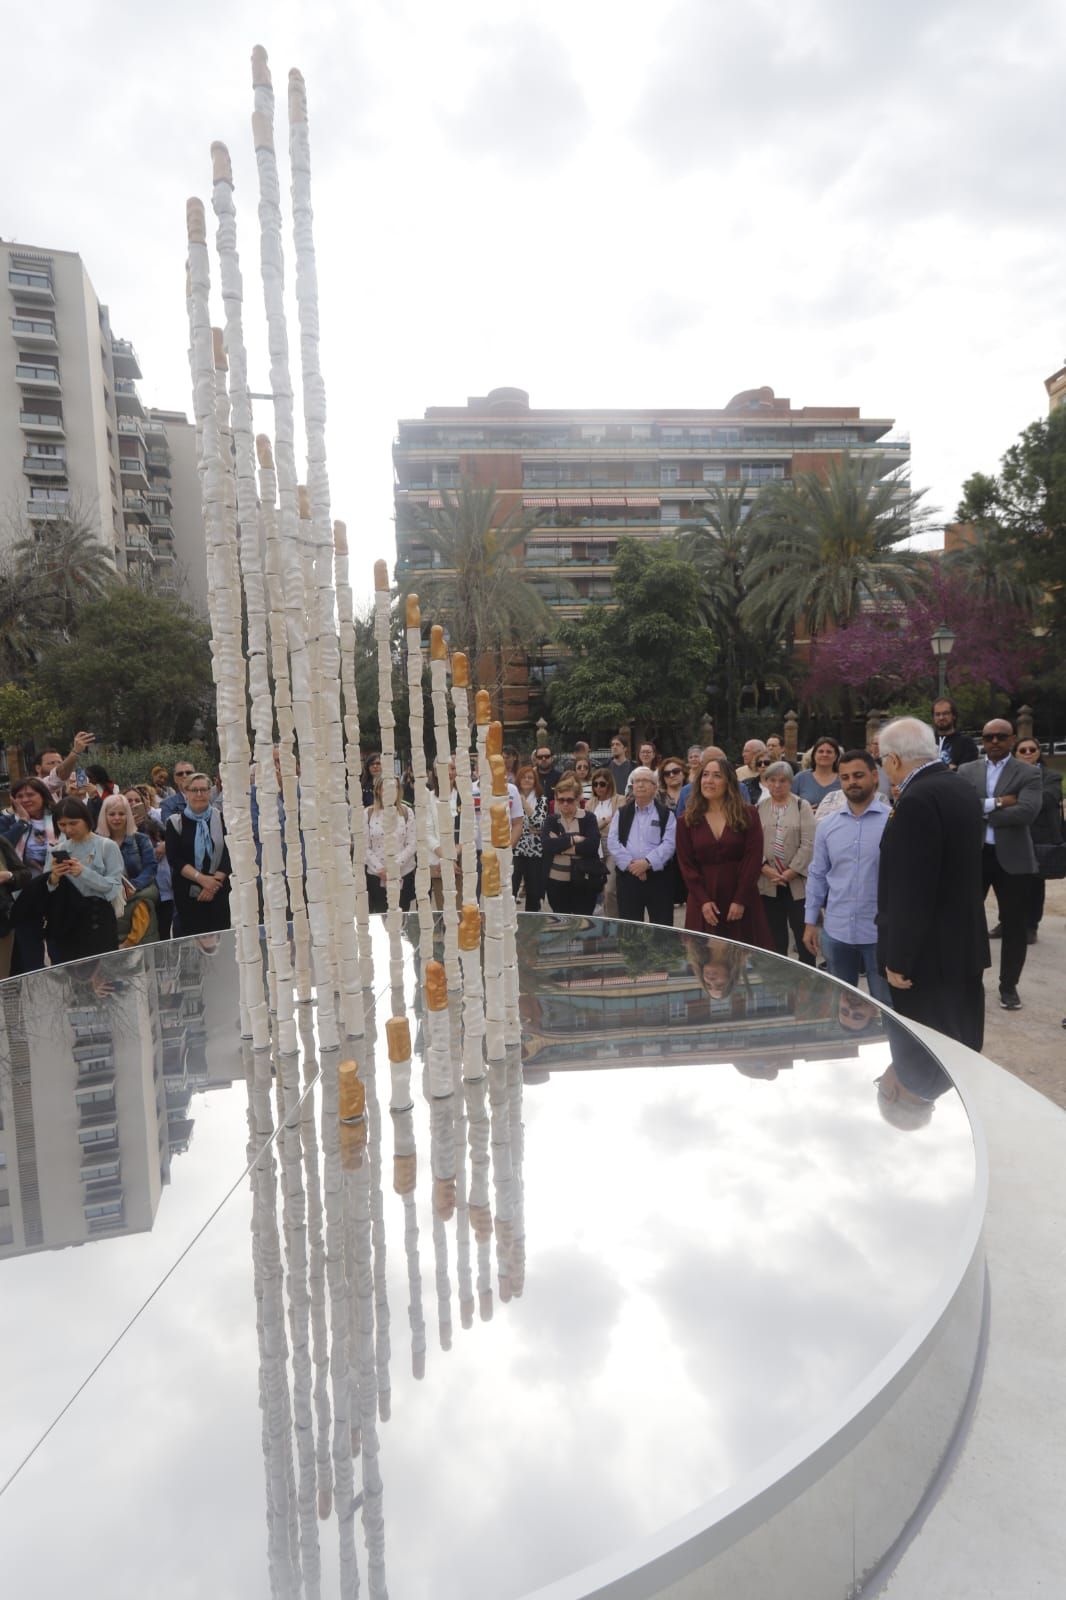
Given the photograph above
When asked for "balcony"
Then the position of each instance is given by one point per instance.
(127, 400)
(41, 422)
(135, 505)
(30, 330)
(125, 359)
(132, 470)
(48, 510)
(35, 285)
(130, 426)
(33, 377)
(160, 527)
(138, 546)
(160, 459)
(45, 466)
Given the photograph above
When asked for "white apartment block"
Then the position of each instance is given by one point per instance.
(75, 438)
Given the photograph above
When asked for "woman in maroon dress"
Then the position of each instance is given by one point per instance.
(720, 851)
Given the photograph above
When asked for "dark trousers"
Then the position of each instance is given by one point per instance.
(530, 871)
(572, 899)
(1012, 891)
(653, 894)
(378, 894)
(783, 912)
(164, 913)
(1034, 914)
(955, 1009)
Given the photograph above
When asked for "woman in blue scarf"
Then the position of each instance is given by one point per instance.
(199, 862)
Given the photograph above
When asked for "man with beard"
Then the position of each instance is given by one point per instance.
(953, 747)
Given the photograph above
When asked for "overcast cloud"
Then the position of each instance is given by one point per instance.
(606, 203)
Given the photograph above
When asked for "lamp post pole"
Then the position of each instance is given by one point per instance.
(942, 643)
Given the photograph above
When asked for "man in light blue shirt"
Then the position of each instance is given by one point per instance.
(641, 844)
(842, 878)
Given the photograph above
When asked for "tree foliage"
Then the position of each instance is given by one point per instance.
(26, 713)
(1020, 519)
(479, 593)
(886, 655)
(823, 546)
(646, 660)
(750, 657)
(137, 671)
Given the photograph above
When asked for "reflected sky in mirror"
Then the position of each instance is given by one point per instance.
(583, 1294)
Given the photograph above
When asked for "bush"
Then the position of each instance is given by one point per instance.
(133, 766)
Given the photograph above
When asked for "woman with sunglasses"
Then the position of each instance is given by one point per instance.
(529, 852)
(199, 861)
(571, 842)
(605, 802)
(582, 770)
(1046, 830)
(672, 778)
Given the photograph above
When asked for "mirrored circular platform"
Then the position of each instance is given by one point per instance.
(690, 1285)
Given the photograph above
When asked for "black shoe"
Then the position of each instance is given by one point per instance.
(1030, 937)
(1009, 999)
(996, 932)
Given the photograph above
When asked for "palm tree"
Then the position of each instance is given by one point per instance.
(824, 545)
(477, 589)
(66, 561)
(720, 548)
(27, 620)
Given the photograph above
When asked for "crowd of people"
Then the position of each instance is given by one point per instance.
(89, 867)
(785, 855)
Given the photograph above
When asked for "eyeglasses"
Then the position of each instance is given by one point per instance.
(567, 799)
(185, 772)
(600, 783)
(765, 763)
(990, 736)
(198, 788)
(544, 755)
(672, 772)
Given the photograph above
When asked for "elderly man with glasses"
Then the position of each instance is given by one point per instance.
(641, 842)
(1010, 792)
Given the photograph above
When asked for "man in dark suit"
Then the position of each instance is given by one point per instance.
(1011, 794)
(932, 938)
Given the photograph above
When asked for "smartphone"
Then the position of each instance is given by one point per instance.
(60, 855)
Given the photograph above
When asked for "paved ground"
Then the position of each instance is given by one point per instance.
(1031, 1043)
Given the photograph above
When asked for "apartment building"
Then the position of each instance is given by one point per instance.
(75, 438)
(593, 477)
(1056, 389)
(97, 1092)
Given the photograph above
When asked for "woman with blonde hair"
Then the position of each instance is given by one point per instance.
(139, 924)
(720, 852)
(406, 849)
(605, 802)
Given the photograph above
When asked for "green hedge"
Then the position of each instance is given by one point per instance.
(134, 766)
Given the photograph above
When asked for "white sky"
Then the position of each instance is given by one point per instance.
(606, 203)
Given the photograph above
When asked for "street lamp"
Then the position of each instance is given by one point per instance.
(942, 643)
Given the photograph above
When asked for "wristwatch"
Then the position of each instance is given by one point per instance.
(997, 804)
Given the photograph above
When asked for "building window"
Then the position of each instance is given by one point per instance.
(727, 436)
(669, 472)
(836, 438)
(761, 472)
(714, 474)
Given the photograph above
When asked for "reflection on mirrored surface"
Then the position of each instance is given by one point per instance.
(466, 1344)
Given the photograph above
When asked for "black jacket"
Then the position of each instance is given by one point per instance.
(1047, 829)
(554, 837)
(930, 909)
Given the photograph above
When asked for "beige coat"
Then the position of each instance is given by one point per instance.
(798, 842)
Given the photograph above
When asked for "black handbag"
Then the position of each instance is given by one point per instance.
(1051, 860)
(590, 871)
